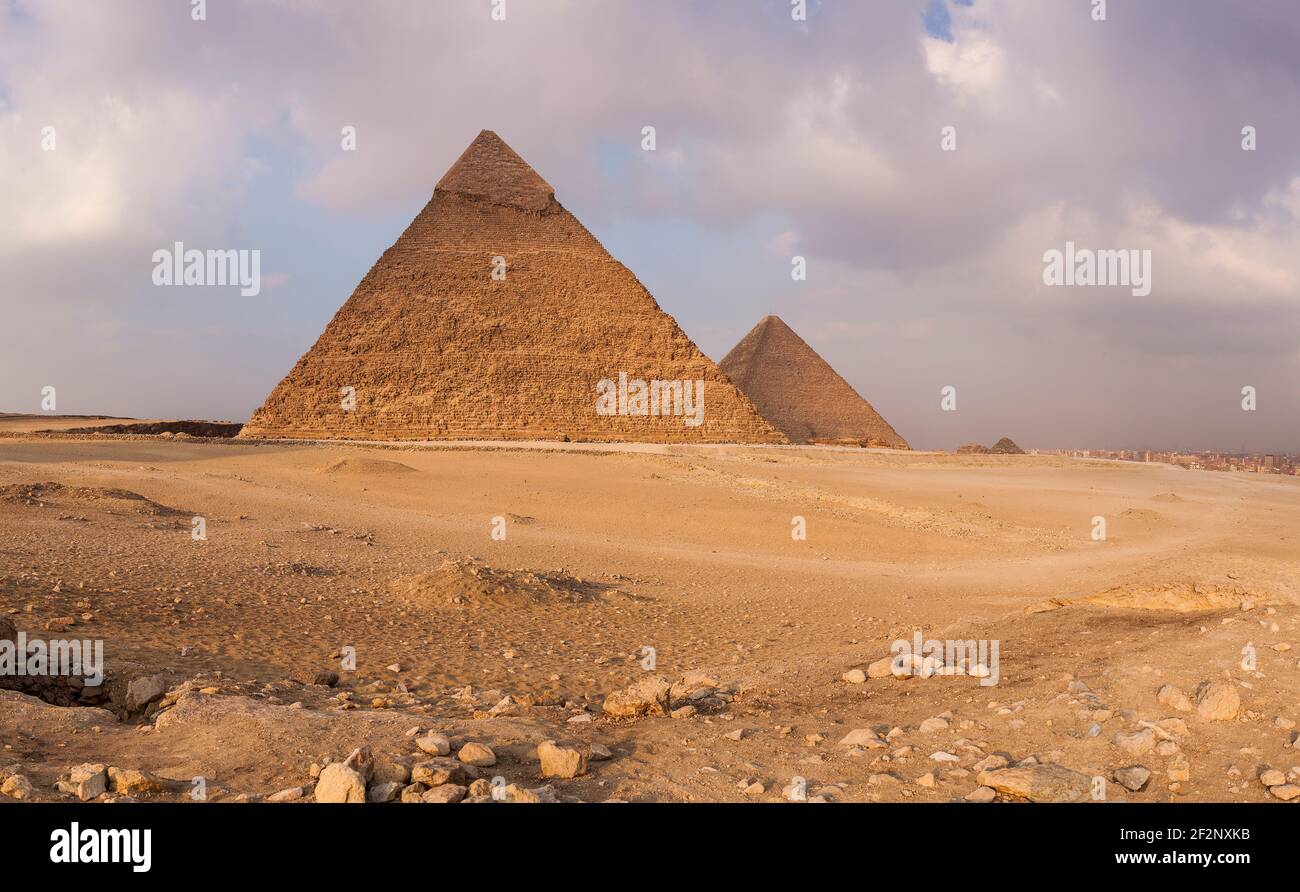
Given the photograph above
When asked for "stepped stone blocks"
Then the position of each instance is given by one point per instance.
(799, 393)
(436, 347)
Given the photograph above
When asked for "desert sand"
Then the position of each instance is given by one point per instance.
(214, 647)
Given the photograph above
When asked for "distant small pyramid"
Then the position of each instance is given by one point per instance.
(497, 315)
(799, 393)
(1006, 446)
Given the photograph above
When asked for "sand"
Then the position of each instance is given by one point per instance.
(610, 550)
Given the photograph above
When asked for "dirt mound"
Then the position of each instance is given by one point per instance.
(188, 428)
(973, 449)
(1180, 597)
(1166, 497)
(466, 583)
(52, 493)
(366, 467)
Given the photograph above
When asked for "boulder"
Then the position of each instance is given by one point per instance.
(1133, 778)
(1217, 701)
(1039, 783)
(561, 761)
(1174, 698)
(479, 755)
(340, 783)
(649, 696)
(436, 772)
(85, 781)
(434, 744)
(447, 793)
(142, 691)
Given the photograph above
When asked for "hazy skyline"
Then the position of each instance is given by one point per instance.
(774, 138)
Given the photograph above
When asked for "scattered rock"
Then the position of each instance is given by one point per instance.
(362, 761)
(1285, 792)
(436, 772)
(385, 792)
(863, 737)
(1272, 778)
(1133, 778)
(130, 782)
(561, 761)
(142, 691)
(1174, 698)
(290, 794)
(1039, 783)
(854, 676)
(340, 783)
(85, 781)
(649, 696)
(982, 794)
(434, 744)
(1217, 701)
(447, 793)
(17, 786)
(479, 755)
(515, 793)
(1136, 743)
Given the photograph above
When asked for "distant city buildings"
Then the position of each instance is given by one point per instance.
(1269, 463)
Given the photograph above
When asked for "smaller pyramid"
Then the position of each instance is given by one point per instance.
(799, 393)
(1006, 446)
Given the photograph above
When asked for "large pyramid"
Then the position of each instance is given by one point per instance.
(800, 393)
(443, 340)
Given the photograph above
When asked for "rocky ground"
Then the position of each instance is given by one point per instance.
(473, 624)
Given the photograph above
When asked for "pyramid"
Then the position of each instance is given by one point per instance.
(1006, 446)
(443, 340)
(799, 393)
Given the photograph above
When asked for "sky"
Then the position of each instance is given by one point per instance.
(775, 137)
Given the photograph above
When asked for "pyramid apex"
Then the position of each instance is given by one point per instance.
(489, 170)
